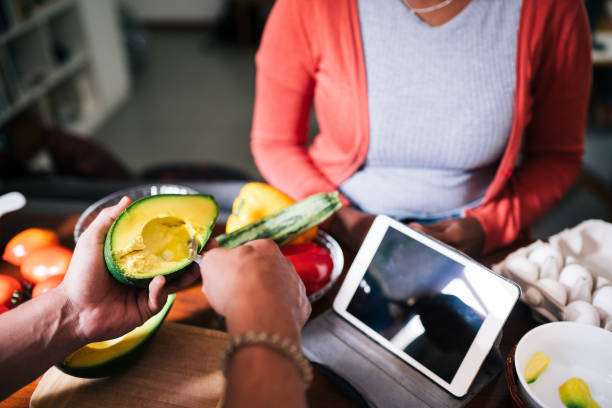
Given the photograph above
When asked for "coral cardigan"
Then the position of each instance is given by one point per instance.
(311, 50)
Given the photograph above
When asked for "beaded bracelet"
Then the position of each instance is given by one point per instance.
(283, 346)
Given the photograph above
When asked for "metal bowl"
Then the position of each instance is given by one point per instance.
(135, 193)
(325, 240)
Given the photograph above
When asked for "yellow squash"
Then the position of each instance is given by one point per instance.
(258, 200)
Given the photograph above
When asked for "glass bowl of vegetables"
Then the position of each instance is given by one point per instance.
(134, 193)
(318, 263)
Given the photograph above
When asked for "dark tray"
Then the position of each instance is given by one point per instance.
(512, 380)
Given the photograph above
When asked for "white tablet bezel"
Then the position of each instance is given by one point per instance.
(486, 336)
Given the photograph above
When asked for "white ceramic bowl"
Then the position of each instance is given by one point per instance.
(575, 350)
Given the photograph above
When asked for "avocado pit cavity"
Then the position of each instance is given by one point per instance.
(163, 241)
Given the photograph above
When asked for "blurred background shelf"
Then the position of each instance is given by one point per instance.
(14, 29)
(63, 59)
(58, 75)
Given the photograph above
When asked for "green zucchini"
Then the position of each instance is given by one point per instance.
(286, 224)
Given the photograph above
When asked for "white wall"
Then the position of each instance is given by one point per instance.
(176, 10)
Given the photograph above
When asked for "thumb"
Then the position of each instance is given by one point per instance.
(97, 230)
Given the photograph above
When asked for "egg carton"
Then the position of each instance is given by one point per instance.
(567, 278)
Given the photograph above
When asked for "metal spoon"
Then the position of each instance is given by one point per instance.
(193, 251)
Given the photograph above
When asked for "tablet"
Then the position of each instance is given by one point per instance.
(429, 304)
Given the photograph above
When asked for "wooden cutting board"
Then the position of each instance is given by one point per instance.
(180, 368)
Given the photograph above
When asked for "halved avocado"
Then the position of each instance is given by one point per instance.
(104, 358)
(151, 236)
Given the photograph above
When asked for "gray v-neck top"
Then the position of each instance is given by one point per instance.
(440, 103)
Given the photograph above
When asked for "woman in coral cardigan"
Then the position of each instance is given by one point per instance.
(465, 117)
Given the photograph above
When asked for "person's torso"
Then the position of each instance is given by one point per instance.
(440, 102)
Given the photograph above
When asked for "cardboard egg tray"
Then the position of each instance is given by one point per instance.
(567, 278)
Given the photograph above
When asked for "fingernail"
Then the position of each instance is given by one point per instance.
(203, 290)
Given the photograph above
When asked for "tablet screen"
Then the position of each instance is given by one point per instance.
(423, 302)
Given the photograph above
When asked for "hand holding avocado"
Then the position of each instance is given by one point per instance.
(107, 308)
(88, 305)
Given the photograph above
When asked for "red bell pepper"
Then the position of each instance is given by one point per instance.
(311, 262)
(313, 287)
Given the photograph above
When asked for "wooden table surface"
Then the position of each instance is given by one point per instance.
(191, 307)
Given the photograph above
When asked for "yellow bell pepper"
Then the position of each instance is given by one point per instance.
(258, 200)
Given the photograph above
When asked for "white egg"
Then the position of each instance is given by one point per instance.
(519, 253)
(549, 269)
(581, 290)
(554, 289)
(607, 324)
(574, 275)
(602, 300)
(601, 282)
(544, 251)
(581, 312)
(523, 268)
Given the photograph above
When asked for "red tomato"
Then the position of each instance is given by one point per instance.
(47, 284)
(26, 242)
(10, 291)
(3, 309)
(45, 262)
(311, 262)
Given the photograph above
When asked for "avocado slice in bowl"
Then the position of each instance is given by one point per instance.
(153, 235)
(104, 358)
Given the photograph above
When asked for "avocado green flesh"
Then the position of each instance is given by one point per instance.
(151, 237)
(104, 358)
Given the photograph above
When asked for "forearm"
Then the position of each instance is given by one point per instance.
(262, 377)
(288, 167)
(33, 337)
(532, 190)
(259, 376)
